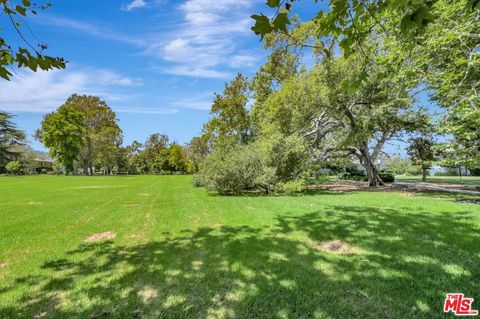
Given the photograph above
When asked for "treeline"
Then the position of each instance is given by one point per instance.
(83, 137)
(83, 134)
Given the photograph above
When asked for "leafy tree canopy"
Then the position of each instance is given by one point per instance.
(230, 120)
(353, 21)
(9, 137)
(30, 55)
(63, 132)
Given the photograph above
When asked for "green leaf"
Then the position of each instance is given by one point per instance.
(9, 59)
(26, 3)
(4, 73)
(262, 25)
(281, 21)
(21, 10)
(273, 3)
(398, 4)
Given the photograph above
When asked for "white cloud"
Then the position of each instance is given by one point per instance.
(201, 101)
(89, 28)
(106, 77)
(242, 60)
(197, 72)
(135, 4)
(205, 43)
(44, 91)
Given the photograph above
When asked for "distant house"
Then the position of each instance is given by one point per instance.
(38, 165)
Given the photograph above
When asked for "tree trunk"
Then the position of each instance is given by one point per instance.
(372, 174)
(85, 167)
(424, 175)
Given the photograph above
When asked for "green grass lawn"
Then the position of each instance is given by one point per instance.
(181, 253)
(464, 180)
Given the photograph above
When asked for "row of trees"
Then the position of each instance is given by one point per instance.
(83, 135)
(360, 94)
(156, 156)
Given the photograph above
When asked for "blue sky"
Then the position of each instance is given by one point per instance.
(157, 63)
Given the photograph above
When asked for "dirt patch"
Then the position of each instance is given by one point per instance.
(408, 195)
(100, 236)
(148, 294)
(340, 187)
(333, 246)
(3, 264)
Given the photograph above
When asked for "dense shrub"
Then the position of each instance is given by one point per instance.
(58, 168)
(354, 175)
(235, 169)
(290, 188)
(287, 155)
(13, 167)
(197, 180)
(318, 179)
(475, 171)
(387, 176)
(231, 171)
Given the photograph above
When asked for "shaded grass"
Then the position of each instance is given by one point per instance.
(181, 253)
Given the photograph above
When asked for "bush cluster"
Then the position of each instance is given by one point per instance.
(237, 169)
(387, 176)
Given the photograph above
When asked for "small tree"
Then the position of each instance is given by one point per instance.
(10, 136)
(422, 153)
(63, 133)
(178, 158)
(162, 162)
(13, 167)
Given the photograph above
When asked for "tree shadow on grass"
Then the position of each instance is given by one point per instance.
(401, 267)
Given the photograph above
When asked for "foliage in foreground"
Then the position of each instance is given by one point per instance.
(29, 55)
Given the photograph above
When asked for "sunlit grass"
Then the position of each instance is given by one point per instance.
(164, 249)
